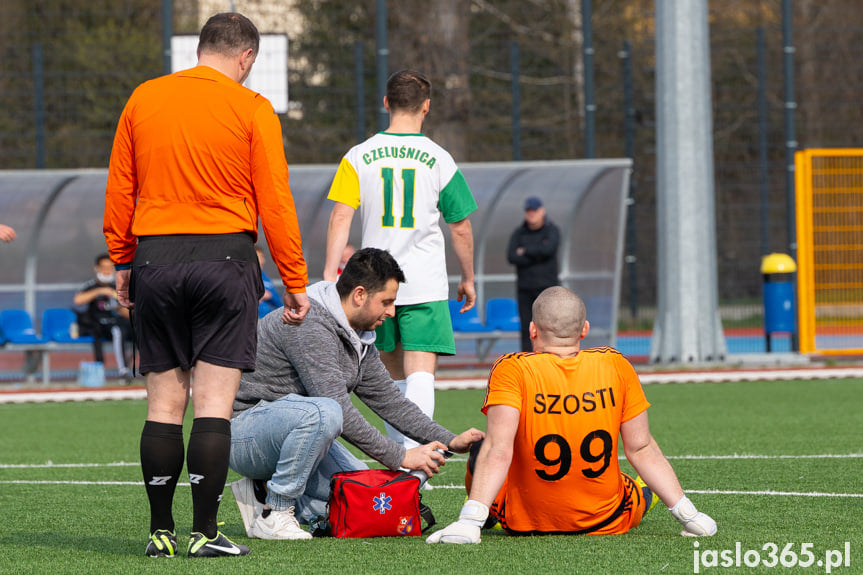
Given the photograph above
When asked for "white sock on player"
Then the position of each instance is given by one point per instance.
(420, 390)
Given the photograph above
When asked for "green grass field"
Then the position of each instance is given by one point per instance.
(775, 463)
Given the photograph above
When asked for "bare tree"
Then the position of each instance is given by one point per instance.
(436, 42)
(573, 9)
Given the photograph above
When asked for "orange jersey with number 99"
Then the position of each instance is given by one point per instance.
(565, 475)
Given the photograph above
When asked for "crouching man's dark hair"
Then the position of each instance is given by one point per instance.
(370, 268)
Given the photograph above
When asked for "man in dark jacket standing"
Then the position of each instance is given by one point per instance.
(533, 252)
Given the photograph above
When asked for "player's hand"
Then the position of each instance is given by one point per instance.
(456, 532)
(461, 443)
(424, 458)
(467, 528)
(121, 279)
(297, 305)
(466, 291)
(702, 525)
(695, 523)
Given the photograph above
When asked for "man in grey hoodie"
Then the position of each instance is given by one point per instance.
(290, 410)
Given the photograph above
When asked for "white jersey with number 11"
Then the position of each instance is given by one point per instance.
(402, 185)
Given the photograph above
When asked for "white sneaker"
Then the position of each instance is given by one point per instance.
(279, 525)
(250, 507)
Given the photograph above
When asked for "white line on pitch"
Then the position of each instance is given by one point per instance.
(724, 375)
(46, 482)
(49, 465)
(743, 456)
(454, 486)
(771, 492)
(754, 456)
(728, 492)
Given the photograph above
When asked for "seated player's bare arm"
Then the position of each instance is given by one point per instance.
(646, 458)
(495, 456)
(490, 471)
(644, 455)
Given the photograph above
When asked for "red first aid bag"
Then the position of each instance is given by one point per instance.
(376, 503)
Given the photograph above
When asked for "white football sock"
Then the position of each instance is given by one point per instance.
(420, 390)
(394, 433)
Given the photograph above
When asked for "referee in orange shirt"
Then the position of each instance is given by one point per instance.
(196, 158)
(549, 462)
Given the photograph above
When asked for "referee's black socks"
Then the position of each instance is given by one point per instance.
(207, 462)
(161, 464)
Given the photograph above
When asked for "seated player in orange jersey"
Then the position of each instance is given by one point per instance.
(549, 460)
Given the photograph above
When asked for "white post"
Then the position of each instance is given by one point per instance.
(688, 328)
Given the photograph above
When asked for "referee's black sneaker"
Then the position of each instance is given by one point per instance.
(162, 543)
(218, 546)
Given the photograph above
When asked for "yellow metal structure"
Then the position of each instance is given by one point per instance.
(829, 201)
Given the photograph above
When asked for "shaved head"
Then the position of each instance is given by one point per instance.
(559, 316)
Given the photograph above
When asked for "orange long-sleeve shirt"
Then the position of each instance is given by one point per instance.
(197, 153)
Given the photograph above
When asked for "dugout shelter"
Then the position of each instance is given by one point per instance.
(57, 215)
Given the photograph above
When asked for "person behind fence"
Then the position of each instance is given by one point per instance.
(290, 410)
(197, 160)
(271, 300)
(548, 463)
(404, 184)
(101, 316)
(533, 251)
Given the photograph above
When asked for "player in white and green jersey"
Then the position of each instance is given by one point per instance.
(403, 183)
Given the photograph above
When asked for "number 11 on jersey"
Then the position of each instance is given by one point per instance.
(408, 179)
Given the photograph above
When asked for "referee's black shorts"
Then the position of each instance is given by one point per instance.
(196, 298)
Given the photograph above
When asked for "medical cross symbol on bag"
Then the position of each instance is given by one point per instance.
(382, 503)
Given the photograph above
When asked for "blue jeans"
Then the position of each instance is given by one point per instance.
(291, 443)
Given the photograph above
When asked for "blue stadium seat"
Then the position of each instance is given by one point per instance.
(599, 310)
(465, 322)
(17, 326)
(502, 313)
(55, 326)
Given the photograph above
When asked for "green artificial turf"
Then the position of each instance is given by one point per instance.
(776, 464)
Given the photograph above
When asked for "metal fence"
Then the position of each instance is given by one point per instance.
(830, 232)
(509, 84)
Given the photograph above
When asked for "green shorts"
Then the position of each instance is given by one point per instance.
(419, 327)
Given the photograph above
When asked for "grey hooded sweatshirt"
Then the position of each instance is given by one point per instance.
(326, 357)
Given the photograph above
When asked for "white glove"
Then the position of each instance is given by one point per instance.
(466, 529)
(456, 532)
(695, 523)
